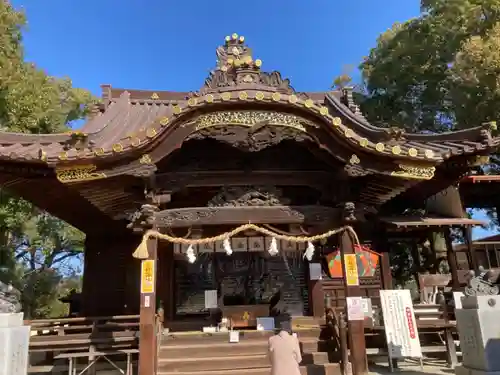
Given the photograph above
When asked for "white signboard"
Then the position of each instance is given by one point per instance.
(457, 299)
(234, 336)
(400, 324)
(315, 272)
(367, 308)
(355, 308)
(211, 299)
(265, 324)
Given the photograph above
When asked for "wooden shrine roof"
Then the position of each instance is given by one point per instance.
(406, 222)
(132, 131)
(131, 120)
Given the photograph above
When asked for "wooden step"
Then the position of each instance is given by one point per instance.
(176, 338)
(223, 362)
(326, 369)
(248, 347)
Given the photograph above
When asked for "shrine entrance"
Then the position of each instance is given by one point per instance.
(216, 185)
(249, 279)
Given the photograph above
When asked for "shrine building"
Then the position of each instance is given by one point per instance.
(302, 177)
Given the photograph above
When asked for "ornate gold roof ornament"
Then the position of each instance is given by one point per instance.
(414, 172)
(235, 66)
(78, 173)
(145, 159)
(252, 118)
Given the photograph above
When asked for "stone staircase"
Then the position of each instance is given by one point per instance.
(212, 354)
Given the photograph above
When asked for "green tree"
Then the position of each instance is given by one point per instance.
(438, 71)
(34, 247)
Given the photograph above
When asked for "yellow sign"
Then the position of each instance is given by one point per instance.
(246, 315)
(148, 276)
(351, 267)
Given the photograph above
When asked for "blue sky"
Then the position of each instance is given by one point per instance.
(167, 45)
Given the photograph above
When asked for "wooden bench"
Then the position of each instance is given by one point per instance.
(92, 338)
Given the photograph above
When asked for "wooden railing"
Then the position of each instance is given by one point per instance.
(56, 344)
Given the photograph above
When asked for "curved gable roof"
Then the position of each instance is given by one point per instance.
(138, 119)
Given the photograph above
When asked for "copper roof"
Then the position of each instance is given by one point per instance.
(134, 119)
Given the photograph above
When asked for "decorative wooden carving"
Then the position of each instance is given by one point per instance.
(79, 173)
(186, 217)
(237, 196)
(348, 211)
(236, 67)
(144, 171)
(245, 140)
(414, 172)
(253, 119)
(274, 79)
(143, 218)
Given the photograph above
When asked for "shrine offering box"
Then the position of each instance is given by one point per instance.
(243, 316)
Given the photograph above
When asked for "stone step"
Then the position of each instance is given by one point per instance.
(176, 338)
(325, 369)
(247, 347)
(224, 362)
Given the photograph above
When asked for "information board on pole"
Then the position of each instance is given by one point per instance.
(351, 269)
(147, 276)
(355, 308)
(400, 324)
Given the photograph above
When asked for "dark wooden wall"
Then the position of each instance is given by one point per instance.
(111, 276)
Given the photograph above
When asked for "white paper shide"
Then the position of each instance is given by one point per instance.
(400, 324)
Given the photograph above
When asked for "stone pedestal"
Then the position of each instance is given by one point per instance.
(478, 323)
(14, 342)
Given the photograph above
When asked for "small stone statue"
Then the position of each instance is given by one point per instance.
(9, 299)
(481, 284)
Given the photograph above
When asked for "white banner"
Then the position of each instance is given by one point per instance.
(400, 325)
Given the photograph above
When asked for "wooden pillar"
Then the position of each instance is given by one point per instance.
(385, 270)
(147, 338)
(356, 328)
(381, 245)
(467, 233)
(452, 260)
(316, 298)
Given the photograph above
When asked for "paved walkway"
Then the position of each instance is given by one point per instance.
(413, 368)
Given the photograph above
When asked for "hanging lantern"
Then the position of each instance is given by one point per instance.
(227, 246)
(273, 247)
(309, 253)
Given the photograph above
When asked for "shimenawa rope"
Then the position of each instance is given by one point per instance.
(142, 250)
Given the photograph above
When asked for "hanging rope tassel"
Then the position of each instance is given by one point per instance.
(142, 250)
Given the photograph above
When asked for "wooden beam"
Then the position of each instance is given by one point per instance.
(197, 216)
(175, 181)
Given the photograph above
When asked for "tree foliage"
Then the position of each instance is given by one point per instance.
(439, 71)
(36, 249)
